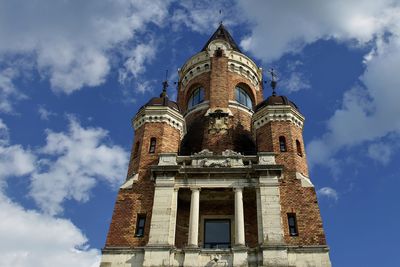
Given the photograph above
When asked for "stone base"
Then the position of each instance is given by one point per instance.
(158, 256)
(191, 257)
(264, 256)
(240, 258)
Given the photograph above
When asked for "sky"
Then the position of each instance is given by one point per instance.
(73, 74)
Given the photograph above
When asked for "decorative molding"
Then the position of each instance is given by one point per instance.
(305, 181)
(196, 65)
(229, 158)
(167, 159)
(277, 113)
(160, 114)
(201, 106)
(237, 105)
(266, 158)
(218, 122)
(244, 66)
(128, 183)
(204, 152)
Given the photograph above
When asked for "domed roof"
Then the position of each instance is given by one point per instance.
(163, 101)
(276, 100)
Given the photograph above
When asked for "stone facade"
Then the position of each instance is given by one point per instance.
(217, 160)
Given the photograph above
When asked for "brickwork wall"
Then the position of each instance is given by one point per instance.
(294, 197)
(139, 198)
(250, 217)
(182, 222)
(219, 85)
(303, 202)
(267, 139)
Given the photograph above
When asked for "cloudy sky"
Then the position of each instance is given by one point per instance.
(73, 73)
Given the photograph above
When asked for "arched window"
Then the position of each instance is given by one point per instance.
(242, 97)
(298, 148)
(136, 150)
(282, 144)
(196, 98)
(152, 147)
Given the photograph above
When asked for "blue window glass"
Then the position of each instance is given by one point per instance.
(217, 233)
(196, 98)
(243, 98)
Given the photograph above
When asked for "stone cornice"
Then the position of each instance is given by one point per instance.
(153, 114)
(277, 113)
(196, 65)
(244, 66)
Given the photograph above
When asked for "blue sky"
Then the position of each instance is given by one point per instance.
(74, 73)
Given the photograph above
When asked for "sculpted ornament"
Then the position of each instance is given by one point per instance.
(218, 122)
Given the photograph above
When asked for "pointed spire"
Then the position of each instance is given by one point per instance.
(222, 34)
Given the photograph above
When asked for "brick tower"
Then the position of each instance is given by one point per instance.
(218, 178)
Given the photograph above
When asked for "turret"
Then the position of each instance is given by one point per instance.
(159, 128)
(278, 128)
(218, 90)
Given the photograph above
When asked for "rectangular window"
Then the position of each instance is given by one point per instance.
(292, 224)
(140, 223)
(217, 233)
(153, 142)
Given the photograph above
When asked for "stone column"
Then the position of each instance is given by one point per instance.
(239, 217)
(193, 236)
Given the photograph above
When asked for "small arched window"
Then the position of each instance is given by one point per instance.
(282, 144)
(298, 148)
(136, 149)
(196, 98)
(242, 97)
(153, 142)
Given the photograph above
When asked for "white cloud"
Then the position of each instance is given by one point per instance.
(71, 41)
(368, 111)
(201, 16)
(29, 238)
(295, 82)
(282, 26)
(45, 114)
(135, 63)
(14, 159)
(328, 192)
(366, 114)
(380, 152)
(75, 161)
(72, 163)
(8, 91)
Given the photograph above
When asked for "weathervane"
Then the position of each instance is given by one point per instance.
(165, 85)
(274, 80)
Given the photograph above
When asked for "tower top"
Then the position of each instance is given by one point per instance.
(222, 34)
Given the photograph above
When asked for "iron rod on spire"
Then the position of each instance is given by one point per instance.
(274, 80)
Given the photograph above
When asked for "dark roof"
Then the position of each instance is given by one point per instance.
(222, 34)
(163, 100)
(276, 100)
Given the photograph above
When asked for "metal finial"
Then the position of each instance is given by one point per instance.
(274, 80)
(220, 15)
(165, 85)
